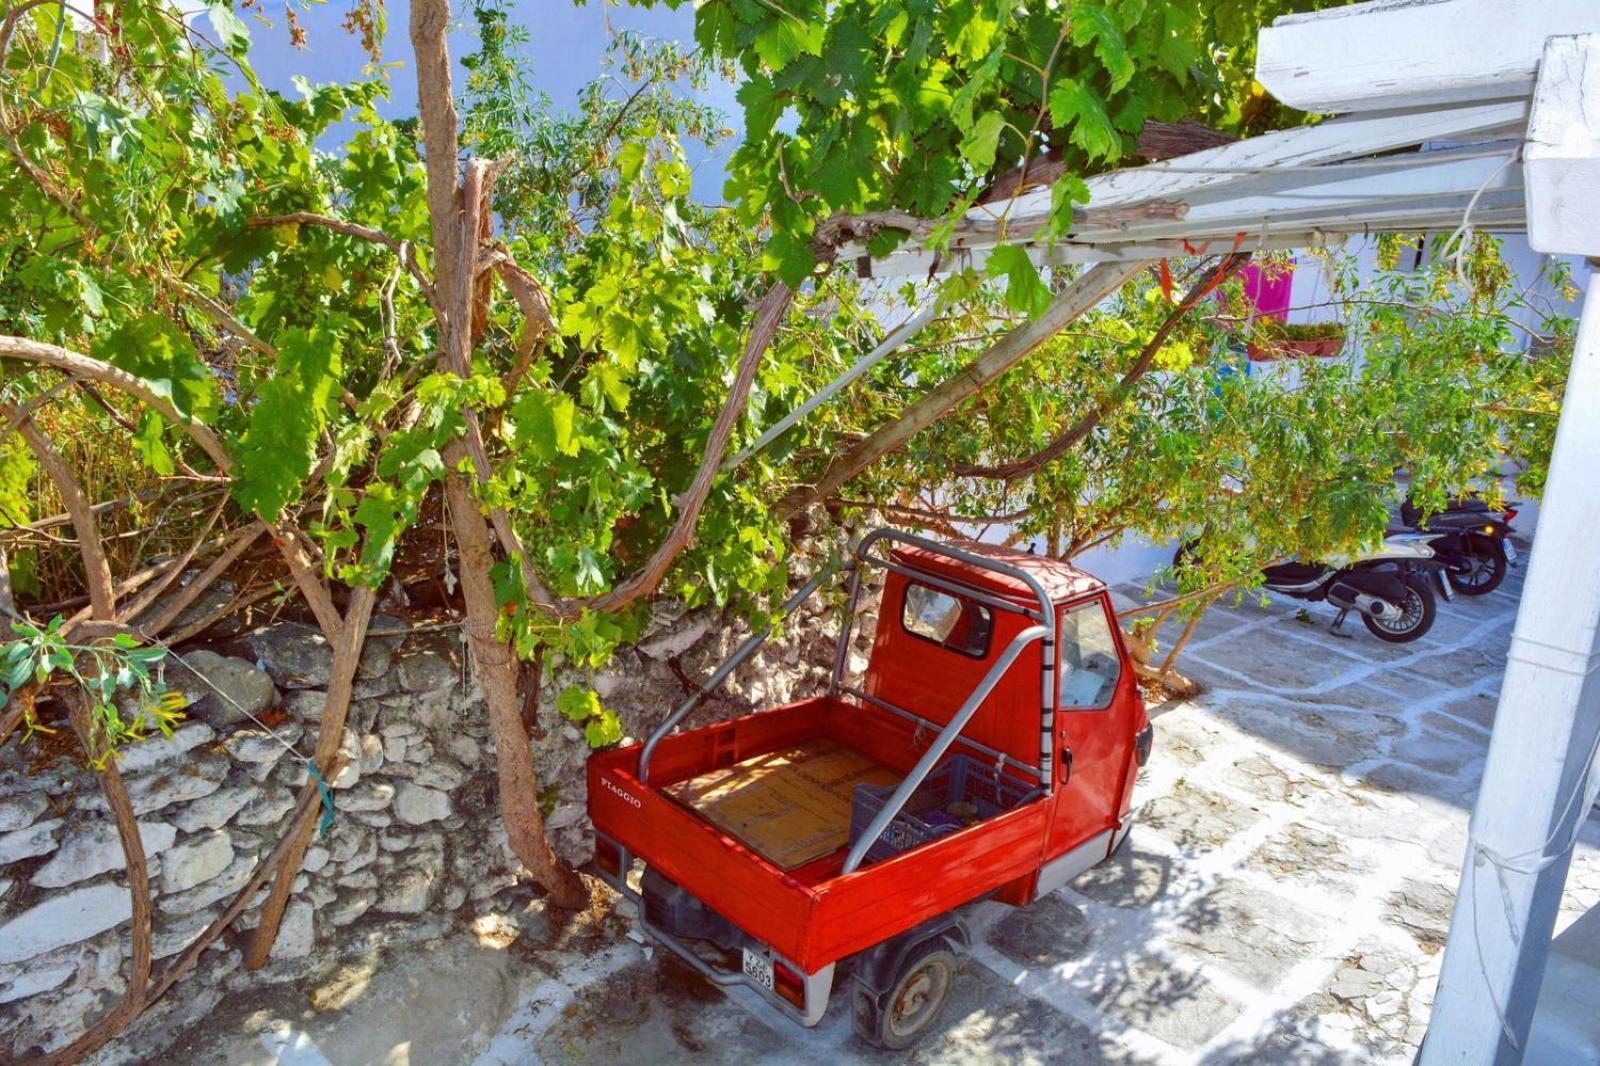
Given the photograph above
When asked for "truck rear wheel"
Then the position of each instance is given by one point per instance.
(913, 1002)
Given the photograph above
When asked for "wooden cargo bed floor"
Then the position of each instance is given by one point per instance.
(792, 806)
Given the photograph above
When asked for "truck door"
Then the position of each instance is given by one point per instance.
(1092, 700)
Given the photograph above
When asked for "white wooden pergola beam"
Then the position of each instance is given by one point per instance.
(1339, 177)
(1409, 53)
(1563, 182)
(1345, 200)
(1424, 192)
(1286, 150)
(922, 263)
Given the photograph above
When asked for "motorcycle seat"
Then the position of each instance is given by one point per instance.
(1293, 573)
(1454, 520)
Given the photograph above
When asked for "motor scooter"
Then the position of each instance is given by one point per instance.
(1391, 589)
(1473, 542)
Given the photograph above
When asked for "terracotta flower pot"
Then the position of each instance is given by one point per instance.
(1324, 348)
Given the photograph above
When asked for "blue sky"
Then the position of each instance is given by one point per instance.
(565, 47)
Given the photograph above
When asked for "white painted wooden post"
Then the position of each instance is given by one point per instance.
(1534, 783)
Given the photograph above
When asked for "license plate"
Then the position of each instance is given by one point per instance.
(758, 968)
(1511, 551)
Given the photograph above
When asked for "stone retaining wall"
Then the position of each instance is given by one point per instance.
(415, 846)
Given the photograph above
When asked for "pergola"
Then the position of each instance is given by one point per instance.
(1505, 95)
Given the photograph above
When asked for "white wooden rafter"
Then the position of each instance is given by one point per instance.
(1345, 176)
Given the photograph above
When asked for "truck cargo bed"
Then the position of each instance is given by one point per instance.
(810, 912)
(791, 806)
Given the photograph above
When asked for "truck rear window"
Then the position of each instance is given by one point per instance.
(949, 621)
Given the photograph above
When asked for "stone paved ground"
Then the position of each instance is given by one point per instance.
(1285, 899)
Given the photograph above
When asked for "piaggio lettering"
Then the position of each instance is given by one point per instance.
(606, 781)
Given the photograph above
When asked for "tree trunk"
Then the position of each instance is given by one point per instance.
(351, 637)
(137, 996)
(497, 671)
(1140, 641)
(454, 209)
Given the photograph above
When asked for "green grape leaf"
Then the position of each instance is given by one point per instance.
(156, 351)
(151, 448)
(1076, 107)
(578, 704)
(278, 448)
(785, 38)
(1025, 290)
(603, 731)
(545, 422)
(1091, 23)
(982, 140)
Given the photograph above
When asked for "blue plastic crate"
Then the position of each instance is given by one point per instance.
(926, 816)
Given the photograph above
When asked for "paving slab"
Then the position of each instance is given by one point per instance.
(1319, 737)
(1262, 658)
(1256, 935)
(1136, 877)
(1051, 931)
(990, 1021)
(1460, 668)
(659, 1011)
(1179, 1007)
(1195, 819)
(1477, 708)
(1305, 854)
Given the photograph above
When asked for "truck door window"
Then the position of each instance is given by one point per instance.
(1089, 665)
(950, 621)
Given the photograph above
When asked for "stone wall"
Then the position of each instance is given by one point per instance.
(415, 846)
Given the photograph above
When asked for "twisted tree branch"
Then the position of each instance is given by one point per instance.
(96, 568)
(1075, 433)
(82, 366)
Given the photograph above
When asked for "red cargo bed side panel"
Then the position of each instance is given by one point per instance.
(858, 910)
(730, 878)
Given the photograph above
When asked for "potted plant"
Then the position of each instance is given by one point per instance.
(1279, 340)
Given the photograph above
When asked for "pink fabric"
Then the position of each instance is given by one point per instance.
(1268, 290)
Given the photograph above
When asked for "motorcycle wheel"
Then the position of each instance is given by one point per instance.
(1416, 616)
(1486, 567)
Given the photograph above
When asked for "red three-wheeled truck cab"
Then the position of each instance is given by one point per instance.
(989, 753)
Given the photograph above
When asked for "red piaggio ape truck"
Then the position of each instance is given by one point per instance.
(989, 753)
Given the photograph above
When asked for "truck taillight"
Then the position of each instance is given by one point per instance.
(788, 984)
(608, 857)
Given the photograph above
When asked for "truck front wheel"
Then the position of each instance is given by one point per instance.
(912, 1003)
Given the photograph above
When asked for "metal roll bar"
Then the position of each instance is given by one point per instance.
(934, 727)
(1045, 632)
(1046, 616)
(729, 665)
(941, 744)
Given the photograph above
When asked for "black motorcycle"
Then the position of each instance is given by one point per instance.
(1472, 542)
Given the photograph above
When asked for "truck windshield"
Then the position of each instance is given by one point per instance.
(951, 621)
(1088, 657)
